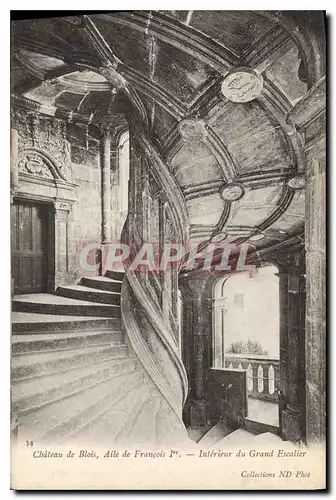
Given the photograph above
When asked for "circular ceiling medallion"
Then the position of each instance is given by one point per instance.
(192, 130)
(219, 237)
(257, 237)
(242, 85)
(298, 182)
(232, 192)
(112, 76)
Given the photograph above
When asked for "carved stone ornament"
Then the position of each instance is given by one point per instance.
(297, 182)
(62, 209)
(232, 192)
(112, 76)
(192, 130)
(48, 136)
(34, 164)
(242, 85)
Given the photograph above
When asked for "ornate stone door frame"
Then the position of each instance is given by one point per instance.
(36, 177)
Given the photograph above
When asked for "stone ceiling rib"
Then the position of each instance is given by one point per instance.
(273, 101)
(267, 49)
(109, 58)
(177, 34)
(284, 203)
(200, 106)
(222, 155)
(155, 92)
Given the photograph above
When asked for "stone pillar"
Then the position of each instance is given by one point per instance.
(201, 351)
(283, 340)
(187, 342)
(132, 189)
(106, 192)
(292, 355)
(106, 185)
(309, 118)
(316, 297)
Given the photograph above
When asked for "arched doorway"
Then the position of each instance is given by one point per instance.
(246, 318)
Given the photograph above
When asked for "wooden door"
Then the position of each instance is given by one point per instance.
(228, 396)
(29, 238)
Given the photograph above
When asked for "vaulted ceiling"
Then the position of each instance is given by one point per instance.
(238, 162)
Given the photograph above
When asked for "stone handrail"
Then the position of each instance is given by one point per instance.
(152, 339)
(263, 374)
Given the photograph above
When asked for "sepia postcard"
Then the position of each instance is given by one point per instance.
(168, 241)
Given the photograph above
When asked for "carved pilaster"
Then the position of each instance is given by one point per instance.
(62, 210)
(34, 128)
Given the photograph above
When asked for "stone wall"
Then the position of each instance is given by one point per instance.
(85, 218)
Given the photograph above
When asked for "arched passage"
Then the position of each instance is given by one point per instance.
(246, 335)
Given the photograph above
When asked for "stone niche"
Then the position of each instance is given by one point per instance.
(41, 172)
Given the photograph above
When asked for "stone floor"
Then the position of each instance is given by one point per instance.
(265, 412)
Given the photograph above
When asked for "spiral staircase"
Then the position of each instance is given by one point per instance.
(76, 378)
(81, 366)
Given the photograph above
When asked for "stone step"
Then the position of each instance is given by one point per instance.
(81, 292)
(101, 283)
(53, 423)
(141, 430)
(215, 434)
(23, 323)
(115, 275)
(49, 342)
(29, 395)
(33, 366)
(142, 415)
(45, 303)
(109, 422)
